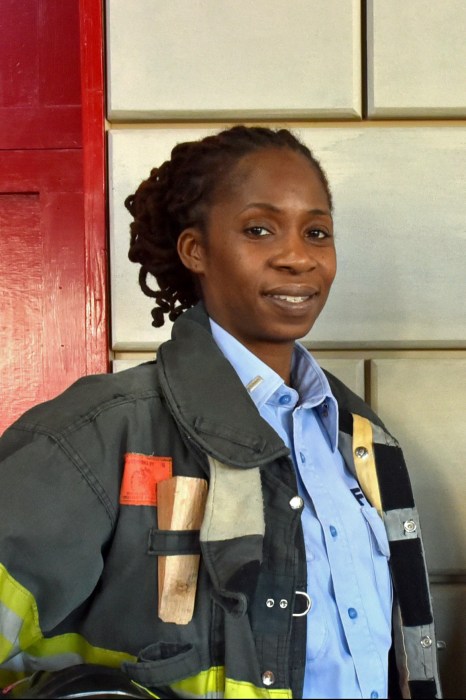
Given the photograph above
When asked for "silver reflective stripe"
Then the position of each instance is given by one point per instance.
(10, 625)
(394, 521)
(27, 663)
(234, 505)
(422, 660)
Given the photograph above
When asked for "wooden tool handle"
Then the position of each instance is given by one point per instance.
(180, 506)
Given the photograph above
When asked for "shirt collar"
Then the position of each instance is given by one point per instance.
(259, 379)
(262, 382)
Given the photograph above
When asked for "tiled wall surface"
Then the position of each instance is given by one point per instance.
(416, 58)
(349, 77)
(175, 59)
(400, 223)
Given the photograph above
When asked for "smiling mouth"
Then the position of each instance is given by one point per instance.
(290, 299)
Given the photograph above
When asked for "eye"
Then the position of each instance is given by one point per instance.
(258, 231)
(318, 233)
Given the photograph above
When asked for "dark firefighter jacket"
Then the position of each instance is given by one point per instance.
(79, 542)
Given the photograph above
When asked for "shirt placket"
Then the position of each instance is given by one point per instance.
(348, 599)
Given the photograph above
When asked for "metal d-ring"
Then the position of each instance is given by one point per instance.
(308, 602)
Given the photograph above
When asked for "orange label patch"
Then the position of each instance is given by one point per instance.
(140, 478)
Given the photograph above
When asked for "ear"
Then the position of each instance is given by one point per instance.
(191, 249)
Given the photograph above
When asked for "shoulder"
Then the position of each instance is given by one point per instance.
(90, 397)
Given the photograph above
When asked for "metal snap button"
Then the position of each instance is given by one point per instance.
(270, 602)
(426, 642)
(296, 503)
(283, 603)
(361, 452)
(409, 526)
(268, 678)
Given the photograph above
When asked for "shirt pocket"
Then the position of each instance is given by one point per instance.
(317, 630)
(380, 551)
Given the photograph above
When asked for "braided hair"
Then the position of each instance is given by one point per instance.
(178, 194)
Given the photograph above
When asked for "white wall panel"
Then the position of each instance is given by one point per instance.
(350, 372)
(423, 403)
(132, 154)
(416, 58)
(400, 221)
(233, 58)
(121, 365)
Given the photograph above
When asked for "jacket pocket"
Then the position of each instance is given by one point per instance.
(162, 663)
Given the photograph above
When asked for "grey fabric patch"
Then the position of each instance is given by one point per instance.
(234, 505)
(422, 660)
(379, 435)
(394, 521)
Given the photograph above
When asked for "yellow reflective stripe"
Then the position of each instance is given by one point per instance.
(18, 599)
(31, 644)
(7, 678)
(204, 683)
(364, 461)
(5, 647)
(212, 683)
(72, 643)
(241, 689)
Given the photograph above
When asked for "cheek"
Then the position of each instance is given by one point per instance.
(328, 263)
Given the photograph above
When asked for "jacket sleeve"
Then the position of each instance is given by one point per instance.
(53, 526)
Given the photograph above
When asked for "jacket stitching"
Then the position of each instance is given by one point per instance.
(78, 462)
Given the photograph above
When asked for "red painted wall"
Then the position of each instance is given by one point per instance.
(52, 212)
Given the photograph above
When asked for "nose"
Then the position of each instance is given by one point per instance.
(294, 253)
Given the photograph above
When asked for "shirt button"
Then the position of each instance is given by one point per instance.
(324, 410)
(286, 398)
(374, 694)
(296, 503)
(268, 678)
(333, 531)
(353, 613)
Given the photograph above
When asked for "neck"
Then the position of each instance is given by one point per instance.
(278, 357)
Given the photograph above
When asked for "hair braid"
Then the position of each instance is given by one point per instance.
(177, 195)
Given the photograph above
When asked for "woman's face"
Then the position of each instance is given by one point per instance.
(266, 260)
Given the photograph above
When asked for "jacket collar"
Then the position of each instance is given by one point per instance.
(208, 400)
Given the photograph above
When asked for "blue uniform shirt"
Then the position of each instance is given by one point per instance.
(349, 623)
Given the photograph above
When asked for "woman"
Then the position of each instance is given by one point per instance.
(296, 587)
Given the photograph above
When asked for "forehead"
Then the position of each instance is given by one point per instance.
(271, 172)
